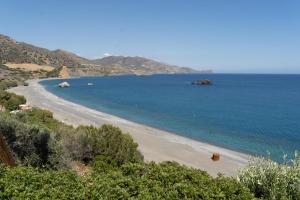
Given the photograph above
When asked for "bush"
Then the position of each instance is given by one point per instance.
(40, 117)
(30, 183)
(30, 144)
(87, 142)
(6, 84)
(11, 101)
(167, 180)
(270, 180)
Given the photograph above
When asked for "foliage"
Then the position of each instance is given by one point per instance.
(87, 142)
(42, 118)
(6, 84)
(270, 180)
(167, 180)
(30, 144)
(11, 101)
(10, 77)
(31, 183)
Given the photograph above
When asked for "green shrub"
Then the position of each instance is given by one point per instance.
(167, 180)
(30, 144)
(40, 117)
(270, 180)
(87, 142)
(11, 101)
(30, 183)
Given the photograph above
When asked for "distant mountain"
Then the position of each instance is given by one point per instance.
(69, 64)
(139, 64)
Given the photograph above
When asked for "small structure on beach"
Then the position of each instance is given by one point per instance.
(202, 82)
(24, 107)
(216, 156)
(64, 85)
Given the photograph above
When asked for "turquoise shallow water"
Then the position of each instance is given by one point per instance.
(256, 114)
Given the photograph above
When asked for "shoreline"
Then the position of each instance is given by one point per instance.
(155, 144)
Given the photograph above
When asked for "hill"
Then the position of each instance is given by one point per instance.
(13, 52)
(139, 65)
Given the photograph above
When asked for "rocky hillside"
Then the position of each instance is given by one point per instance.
(12, 51)
(139, 65)
(69, 64)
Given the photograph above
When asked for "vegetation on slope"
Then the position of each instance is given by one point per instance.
(270, 180)
(33, 183)
(167, 180)
(11, 101)
(37, 140)
(54, 73)
(12, 77)
(30, 144)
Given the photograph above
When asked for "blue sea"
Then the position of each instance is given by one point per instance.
(255, 114)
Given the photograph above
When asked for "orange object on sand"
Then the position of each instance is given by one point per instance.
(215, 157)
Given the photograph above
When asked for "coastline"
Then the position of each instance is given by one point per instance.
(155, 144)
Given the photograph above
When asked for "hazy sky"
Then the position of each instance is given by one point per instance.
(247, 36)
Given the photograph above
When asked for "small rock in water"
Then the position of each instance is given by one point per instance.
(64, 84)
(202, 82)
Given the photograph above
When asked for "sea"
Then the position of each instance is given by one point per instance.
(250, 113)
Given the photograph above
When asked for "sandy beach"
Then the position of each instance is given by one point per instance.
(156, 145)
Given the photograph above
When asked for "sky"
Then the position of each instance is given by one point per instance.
(228, 36)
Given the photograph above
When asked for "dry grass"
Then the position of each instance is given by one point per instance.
(64, 72)
(29, 67)
(80, 168)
